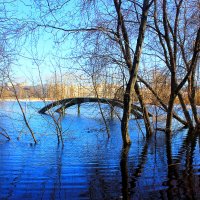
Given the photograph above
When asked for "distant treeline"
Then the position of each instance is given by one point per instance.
(60, 91)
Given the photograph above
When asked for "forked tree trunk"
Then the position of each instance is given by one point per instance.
(133, 75)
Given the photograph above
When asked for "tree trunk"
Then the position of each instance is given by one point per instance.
(133, 75)
(185, 111)
(171, 103)
(191, 95)
(126, 115)
(170, 115)
(161, 102)
(144, 110)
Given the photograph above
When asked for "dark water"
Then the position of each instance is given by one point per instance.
(89, 166)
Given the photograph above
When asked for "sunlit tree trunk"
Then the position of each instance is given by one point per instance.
(133, 75)
(144, 110)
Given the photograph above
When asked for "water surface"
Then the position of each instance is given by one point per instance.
(90, 166)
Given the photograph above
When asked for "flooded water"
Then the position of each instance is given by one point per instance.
(89, 166)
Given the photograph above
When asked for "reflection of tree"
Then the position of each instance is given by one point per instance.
(124, 172)
(143, 157)
(172, 170)
(4, 133)
(56, 190)
(181, 183)
(103, 176)
(127, 183)
(136, 172)
(101, 186)
(191, 136)
(187, 174)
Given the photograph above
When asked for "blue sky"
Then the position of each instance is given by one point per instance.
(45, 44)
(45, 48)
(35, 49)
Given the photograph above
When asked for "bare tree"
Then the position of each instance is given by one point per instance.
(116, 31)
(168, 29)
(22, 110)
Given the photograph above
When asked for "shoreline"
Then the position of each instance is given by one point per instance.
(51, 100)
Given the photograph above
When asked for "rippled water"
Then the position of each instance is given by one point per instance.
(90, 166)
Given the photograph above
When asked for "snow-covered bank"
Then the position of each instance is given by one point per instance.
(30, 100)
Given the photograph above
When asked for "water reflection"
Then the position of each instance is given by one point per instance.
(57, 185)
(124, 172)
(173, 175)
(181, 179)
(91, 167)
(181, 182)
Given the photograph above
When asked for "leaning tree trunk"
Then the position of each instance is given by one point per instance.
(144, 110)
(164, 106)
(185, 111)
